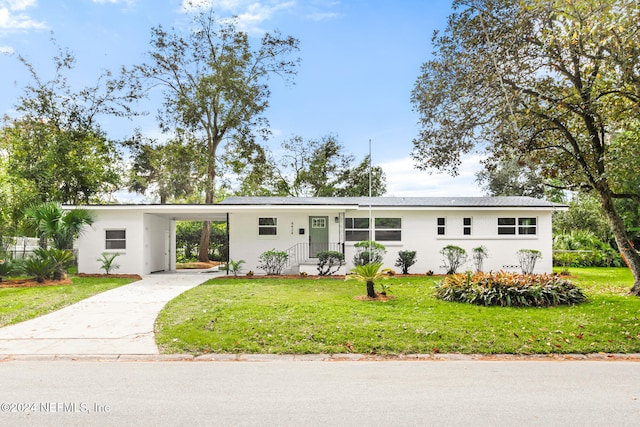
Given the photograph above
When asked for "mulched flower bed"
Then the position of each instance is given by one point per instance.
(30, 283)
(115, 276)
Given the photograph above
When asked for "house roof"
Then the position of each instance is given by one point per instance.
(404, 202)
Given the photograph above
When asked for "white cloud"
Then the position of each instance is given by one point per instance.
(250, 13)
(12, 19)
(6, 49)
(322, 16)
(127, 2)
(403, 180)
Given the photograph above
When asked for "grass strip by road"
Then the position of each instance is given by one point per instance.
(302, 316)
(20, 304)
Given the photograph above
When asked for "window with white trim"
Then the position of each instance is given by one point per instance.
(442, 226)
(356, 229)
(115, 239)
(527, 226)
(466, 226)
(388, 229)
(520, 226)
(267, 226)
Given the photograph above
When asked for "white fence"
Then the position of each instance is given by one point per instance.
(21, 247)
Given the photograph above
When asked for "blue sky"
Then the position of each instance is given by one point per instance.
(359, 63)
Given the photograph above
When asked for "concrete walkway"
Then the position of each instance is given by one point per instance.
(119, 321)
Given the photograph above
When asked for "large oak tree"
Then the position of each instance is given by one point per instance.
(54, 146)
(215, 85)
(553, 81)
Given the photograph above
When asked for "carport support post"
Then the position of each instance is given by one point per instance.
(228, 245)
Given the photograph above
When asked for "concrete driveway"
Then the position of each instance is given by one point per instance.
(119, 321)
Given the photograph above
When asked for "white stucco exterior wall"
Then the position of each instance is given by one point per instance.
(419, 233)
(151, 237)
(247, 245)
(91, 243)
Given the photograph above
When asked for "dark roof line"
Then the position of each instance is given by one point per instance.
(395, 201)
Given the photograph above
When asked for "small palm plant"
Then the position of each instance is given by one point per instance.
(368, 273)
(234, 267)
(106, 260)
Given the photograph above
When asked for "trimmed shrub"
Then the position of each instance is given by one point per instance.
(607, 257)
(509, 289)
(527, 259)
(329, 262)
(479, 255)
(273, 261)
(405, 260)
(454, 257)
(368, 252)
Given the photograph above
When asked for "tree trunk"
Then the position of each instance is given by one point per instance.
(203, 253)
(622, 239)
(370, 290)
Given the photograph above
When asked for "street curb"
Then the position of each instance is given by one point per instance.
(347, 357)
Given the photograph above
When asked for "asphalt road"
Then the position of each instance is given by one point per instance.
(284, 393)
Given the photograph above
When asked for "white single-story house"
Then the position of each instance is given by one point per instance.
(145, 235)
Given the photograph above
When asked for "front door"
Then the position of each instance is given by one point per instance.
(318, 235)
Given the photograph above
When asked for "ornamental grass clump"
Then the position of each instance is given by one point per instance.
(509, 289)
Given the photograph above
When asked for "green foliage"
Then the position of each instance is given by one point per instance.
(6, 268)
(454, 257)
(215, 87)
(61, 260)
(188, 234)
(548, 81)
(329, 262)
(188, 237)
(289, 316)
(62, 227)
(479, 255)
(172, 170)
(39, 268)
(234, 267)
(527, 259)
(512, 177)
(584, 215)
(368, 273)
(354, 181)
(368, 252)
(509, 290)
(20, 304)
(273, 261)
(582, 248)
(56, 149)
(405, 260)
(106, 261)
(317, 168)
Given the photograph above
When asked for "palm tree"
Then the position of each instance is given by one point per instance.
(368, 273)
(52, 222)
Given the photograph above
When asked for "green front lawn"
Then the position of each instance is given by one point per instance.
(19, 304)
(270, 315)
